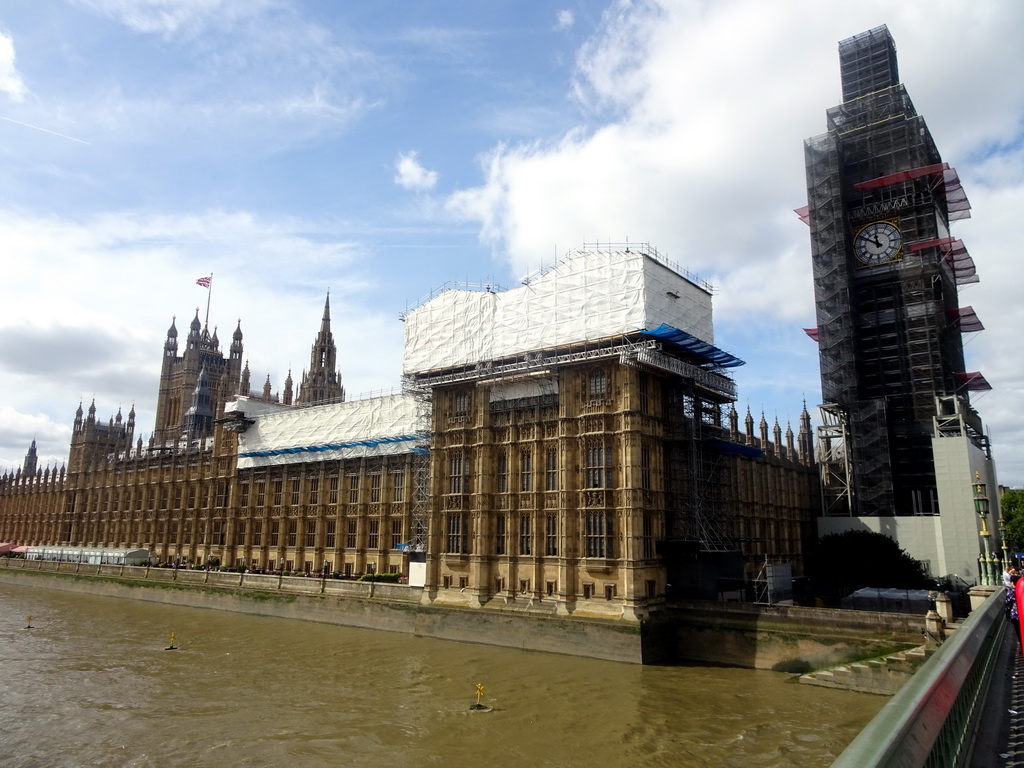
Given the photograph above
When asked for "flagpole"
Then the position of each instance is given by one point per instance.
(209, 290)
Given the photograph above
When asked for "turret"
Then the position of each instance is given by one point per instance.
(288, 388)
(806, 437)
(171, 345)
(31, 459)
(236, 345)
(195, 334)
(243, 384)
(198, 421)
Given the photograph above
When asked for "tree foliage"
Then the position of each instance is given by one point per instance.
(1011, 505)
(855, 559)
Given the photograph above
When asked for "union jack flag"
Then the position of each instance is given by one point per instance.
(203, 281)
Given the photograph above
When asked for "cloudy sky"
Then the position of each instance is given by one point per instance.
(380, 149)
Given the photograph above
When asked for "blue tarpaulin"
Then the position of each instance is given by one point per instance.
(688, 343)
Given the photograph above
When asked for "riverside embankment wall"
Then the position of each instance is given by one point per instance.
(762, 637)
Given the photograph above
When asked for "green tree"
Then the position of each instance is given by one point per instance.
(1011, 505)
(855, 559)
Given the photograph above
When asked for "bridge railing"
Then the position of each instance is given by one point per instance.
(930, 720)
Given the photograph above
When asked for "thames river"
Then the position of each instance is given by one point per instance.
(91, 684)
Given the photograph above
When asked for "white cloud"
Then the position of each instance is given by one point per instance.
(10, 81)
(565, 19)
(61, 268)
(87, 302)
(410, 174)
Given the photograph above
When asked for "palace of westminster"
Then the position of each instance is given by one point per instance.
(558, 473)
(573, 444)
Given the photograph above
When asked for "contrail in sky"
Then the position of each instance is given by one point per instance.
(44, 130)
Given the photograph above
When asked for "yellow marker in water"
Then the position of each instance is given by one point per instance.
(170, 646)
(28, 622)
(479, 692)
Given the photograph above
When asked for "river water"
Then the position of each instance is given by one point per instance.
(91, 685)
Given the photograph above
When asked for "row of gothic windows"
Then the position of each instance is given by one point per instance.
(379, 533)
(597, 470)
(352, 490)
(598, 535)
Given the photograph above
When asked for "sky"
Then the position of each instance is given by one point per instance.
(379, 150)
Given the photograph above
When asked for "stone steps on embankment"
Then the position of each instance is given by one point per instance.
(883, 676)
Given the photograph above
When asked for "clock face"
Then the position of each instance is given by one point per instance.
(878, 243)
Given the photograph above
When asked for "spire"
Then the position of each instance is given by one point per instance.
(31, 459)
(325, 322)
(806, 437)
(198, 422)
(323, 381)
(748, 423)
(288, 388)
(195, 333)
(243, 384)
(266, 389)
(235, 352)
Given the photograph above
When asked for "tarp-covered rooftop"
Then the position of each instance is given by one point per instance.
(591, 294)
(376, 426)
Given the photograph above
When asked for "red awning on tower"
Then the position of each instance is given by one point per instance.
(895, 178)
(972, 381)
(965, 319)
(956, 199)
(956, 255)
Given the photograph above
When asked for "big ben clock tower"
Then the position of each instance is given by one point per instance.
(886, 277)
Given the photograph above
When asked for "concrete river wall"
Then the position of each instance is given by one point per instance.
(753, 636)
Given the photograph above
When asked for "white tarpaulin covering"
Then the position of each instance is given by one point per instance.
(377, 426)
(527, 387)
(589, 295)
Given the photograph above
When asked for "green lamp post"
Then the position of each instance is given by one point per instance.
(987, 565)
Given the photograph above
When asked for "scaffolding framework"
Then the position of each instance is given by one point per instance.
(889, 333)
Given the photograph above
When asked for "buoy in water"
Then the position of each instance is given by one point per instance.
(171, 646)
(478, 707)
(28, 622)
